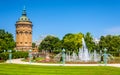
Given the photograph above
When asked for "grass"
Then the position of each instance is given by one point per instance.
(38, 59)
(15, 69)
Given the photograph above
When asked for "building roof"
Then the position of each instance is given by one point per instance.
(24, 17)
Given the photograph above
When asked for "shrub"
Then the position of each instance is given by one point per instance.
(4, 56)
(19, 54)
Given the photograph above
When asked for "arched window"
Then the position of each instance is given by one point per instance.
(26, 32)
(17, 32)
(25, 19)
(21, 18)
(21, 32)
(23, 26)
(30, 32)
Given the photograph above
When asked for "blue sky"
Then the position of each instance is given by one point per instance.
(59, 17)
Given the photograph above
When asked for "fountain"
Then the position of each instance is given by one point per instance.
(83, 55)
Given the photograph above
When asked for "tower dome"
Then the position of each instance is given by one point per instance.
(24, 17)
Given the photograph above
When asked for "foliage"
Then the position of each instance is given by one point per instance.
(4, 56)
(89, 41)
(112, 43)
(19, 54)
(38, 59)
(15, 69)
(72, 42)
(33, 45)
(102, 43)
(6, 41)
(50, 43)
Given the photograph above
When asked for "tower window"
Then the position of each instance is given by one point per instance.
(20, 42)
(25, 42)
(25, 18)
(21, 32)
(30, 33)
(21, 18)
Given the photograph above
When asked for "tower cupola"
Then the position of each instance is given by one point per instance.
(24, 17)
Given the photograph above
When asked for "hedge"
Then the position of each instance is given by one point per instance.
(19, 54)
(4, 56)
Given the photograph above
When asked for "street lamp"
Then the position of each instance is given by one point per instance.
(10, 55)
(30, 56)
(63, 56)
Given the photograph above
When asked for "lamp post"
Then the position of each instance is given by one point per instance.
(63, 56)
(105, 56)
(10, 55)
(30, 56)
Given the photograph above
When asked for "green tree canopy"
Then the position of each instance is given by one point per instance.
(6, 41)
(50, 43)
(111, 42)
(89, 41)
(33, 45)
(72, 42)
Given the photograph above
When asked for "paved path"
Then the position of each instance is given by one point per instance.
(18, 61)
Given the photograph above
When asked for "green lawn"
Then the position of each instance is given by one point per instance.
(15, 69)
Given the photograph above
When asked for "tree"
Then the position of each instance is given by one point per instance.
(89, 41)
(6, 41)
(111, 42)
(33, 45)
(102, 43)
(50, 43)
(72, 42)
